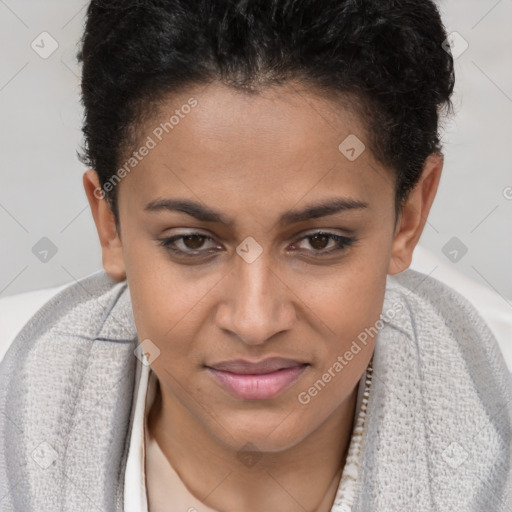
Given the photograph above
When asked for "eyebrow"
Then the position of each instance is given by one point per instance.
(207, 214)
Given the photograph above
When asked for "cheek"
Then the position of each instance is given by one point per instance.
(348, 301)
(163, 295)
(166, 316)
(348, 297)
(349, 314)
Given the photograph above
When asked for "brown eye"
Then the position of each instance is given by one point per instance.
(190, 244)
(193, 241)
(321, 240)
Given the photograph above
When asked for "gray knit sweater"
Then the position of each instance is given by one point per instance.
(437, 434)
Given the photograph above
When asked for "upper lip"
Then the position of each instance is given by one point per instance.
(245, 367)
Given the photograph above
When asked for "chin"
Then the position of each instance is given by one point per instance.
(274, 432)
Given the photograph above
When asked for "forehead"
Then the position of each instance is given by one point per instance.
(288, 115)
(229, 145)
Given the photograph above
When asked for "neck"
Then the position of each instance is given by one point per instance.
(304, 477)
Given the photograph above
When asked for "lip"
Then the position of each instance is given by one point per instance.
(257, 381)
(245, 367)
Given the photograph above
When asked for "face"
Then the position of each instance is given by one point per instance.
(247, 233)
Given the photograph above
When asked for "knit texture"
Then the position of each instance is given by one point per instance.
(439, 420)
(437, 435)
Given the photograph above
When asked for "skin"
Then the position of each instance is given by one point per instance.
(252, 157)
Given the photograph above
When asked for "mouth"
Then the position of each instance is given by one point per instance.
(257, 381)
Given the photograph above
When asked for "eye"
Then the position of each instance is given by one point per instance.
(321, 239)
(190, 243)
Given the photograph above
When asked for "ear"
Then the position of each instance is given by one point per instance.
(414, 214)
(111, 246)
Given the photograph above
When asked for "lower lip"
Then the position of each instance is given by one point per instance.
(257, 387)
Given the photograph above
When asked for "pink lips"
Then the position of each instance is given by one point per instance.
(257, 381)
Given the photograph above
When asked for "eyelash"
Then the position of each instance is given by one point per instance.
(343, 242)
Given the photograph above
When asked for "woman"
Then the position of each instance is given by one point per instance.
(260, 175)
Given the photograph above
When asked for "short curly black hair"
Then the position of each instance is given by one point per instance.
(391, 55)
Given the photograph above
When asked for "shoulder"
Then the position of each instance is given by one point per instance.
(491, 307)
(69, 372)
(78, 309)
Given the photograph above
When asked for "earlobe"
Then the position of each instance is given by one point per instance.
(111, 245)
(414, 215)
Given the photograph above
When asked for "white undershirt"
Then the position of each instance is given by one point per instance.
(135, 492)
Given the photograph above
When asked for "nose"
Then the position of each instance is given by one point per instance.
(257, 303)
